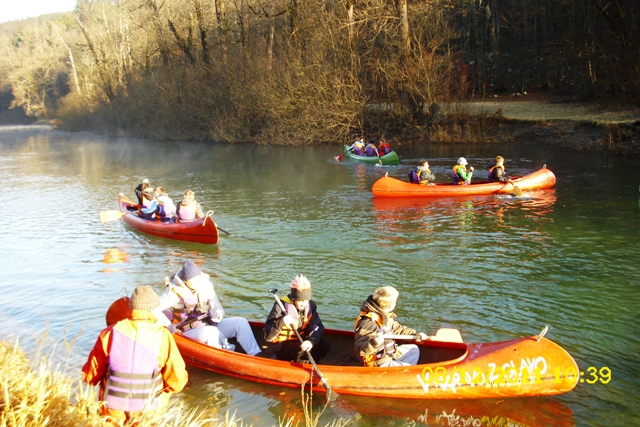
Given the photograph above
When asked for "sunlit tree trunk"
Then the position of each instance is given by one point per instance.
(221, 18)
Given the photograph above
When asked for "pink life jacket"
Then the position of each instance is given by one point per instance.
(133, 378)
(187, 213)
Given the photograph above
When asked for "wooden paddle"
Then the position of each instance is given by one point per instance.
(184, 323)
(233, 235)
(443, 334)
(313, 362)
(112, 215)
(516, 190)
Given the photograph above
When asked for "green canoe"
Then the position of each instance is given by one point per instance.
(388, 159)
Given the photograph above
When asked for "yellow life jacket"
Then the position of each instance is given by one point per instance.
(286, 332)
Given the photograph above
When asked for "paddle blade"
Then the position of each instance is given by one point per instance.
(112, 215)
(447, 335)
(517, 191)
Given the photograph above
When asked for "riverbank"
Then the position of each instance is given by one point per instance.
(531, 119)
(36, 393)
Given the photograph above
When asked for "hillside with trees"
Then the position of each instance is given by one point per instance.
(311, 72)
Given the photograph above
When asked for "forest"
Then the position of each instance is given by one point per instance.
(299, 72)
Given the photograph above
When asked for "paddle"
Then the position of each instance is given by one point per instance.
(516, 190)
(443, 334)
(233, 235)
(112, 215)
(313, 362)
(181, 325)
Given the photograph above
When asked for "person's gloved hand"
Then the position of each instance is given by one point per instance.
(422, 337)
(306, 345)
(290, 321)
(471, 168)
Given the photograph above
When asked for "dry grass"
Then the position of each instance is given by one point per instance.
(36, 393)
(533, 108)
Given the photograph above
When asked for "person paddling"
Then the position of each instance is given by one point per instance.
(189, 294)
(189, 209)
(422, 174)
(496, 171)
(376, 319)
(460, 174)
(302, 314)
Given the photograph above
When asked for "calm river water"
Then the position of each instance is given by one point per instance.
(494, 267)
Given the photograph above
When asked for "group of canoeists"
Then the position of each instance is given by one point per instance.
(460, 175)
(359, 148)
(154, 204)
(137, 364)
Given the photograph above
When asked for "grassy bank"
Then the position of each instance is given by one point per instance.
(36, 393)
(581, 127)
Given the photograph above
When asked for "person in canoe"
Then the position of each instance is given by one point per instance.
(383, 148)
(168, 209)
(132, 348)
(460, 174)
(376, 319)
(357, 147)
(189, 209)
(370, 150)
(150, 207)
(194, 304)
(140, 188)
(422, 174)
(301, 314)
(496, 171)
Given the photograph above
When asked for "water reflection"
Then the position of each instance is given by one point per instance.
(463, 213)
(219, 394)
(528, 412)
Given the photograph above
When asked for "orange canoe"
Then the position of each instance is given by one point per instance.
(530, 366)
(392, 187)
(202, 230)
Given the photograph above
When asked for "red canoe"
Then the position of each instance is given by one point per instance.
(530, 366)
(392, 187)
(202, 230)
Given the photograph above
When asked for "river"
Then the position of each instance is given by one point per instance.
(496, 268)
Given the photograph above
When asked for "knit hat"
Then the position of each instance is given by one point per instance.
(300, 288)
(462, 161)
(144, 298)
(189, 271)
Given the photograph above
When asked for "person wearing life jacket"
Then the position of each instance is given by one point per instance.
(136, 362)
(189, 209)
(377, 319)
(150, 207)
(140, 188)
(370, 150)
(422, 174)
(383, 148)
(460, 174)
(189, 294)
(357, 147)
(496, 171)
(168, 208)
(302, 314)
